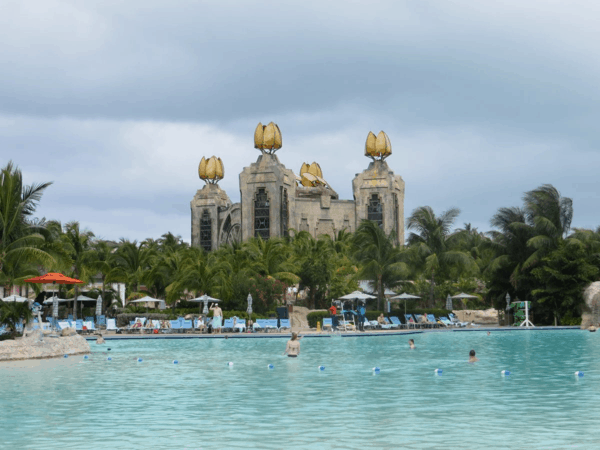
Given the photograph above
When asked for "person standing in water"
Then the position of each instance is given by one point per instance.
(292, 349)
(411, 344)
(472, 357)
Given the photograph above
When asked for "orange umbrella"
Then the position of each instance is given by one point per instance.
(55, 278)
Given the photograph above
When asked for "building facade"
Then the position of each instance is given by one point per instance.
(273, 199)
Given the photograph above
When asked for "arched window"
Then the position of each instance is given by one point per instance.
(206, 231)
(261, 214)
(375, 210)
(284, 215)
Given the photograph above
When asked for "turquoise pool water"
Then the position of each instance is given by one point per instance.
(202, 403)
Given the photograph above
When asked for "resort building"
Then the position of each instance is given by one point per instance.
(274, 199)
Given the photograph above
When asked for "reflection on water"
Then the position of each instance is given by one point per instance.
(203, 403)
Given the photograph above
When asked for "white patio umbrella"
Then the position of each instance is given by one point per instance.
(404, 296)
(463, 296)
(357, 295)
(249, 310)
(51, 300)
(205, 299)
(15, 298)
(146, 299)
(98, 306)
(449, 303)
(83, 298)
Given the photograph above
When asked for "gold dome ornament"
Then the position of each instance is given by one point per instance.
(311, 175)
(267, 138)
(211, 170)
(378, 147)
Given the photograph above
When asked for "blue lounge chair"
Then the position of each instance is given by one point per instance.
(187, 325)
(457, 322)
(175, 326)
(79, 325)
(240, 325)
(284, 323)
(101, 320)
(446, 322)
(259, 324)
(88, 319)
(410, 320)
(271, 324)
(396, 321)
(327, 323)
(433, 320)
(228, 325)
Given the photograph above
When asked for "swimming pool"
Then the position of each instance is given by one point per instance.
(202, 403)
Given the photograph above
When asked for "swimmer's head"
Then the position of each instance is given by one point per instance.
(472, 353)
(411, 341)
(294, 336)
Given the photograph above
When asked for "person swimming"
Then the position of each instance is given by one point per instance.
(100, 340)
(292, 349)
(411, 343)
(472, 357)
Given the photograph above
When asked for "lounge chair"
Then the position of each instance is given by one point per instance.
(284, 323)
(199, 325)
(431, 318)
(259, 324)
(89, 326)
(111, 325)
(88, 319)
(175, 325)
(445, 321)
(187, 325)
(327, 323)
(410, 320)
(457, 322)
(228, 325)
(101, 320)
(240, 325)
(271, 324)
(396, 321)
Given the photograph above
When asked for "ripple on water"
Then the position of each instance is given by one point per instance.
(203, 403)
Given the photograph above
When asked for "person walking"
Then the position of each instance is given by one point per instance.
(361, 317)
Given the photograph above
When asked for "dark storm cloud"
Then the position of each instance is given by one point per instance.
(482, 101)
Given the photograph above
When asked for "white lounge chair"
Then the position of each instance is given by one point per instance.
(111, 325)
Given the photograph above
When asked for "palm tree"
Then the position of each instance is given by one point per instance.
(431, 243)
(79, 245)
(381, 260)
(133, 261)
(314, 260)
(20, 238)
(13, 314)
(271, 258)
(103, 263)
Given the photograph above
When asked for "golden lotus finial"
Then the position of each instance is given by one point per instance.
(311, 175)
(211, 170)
(378, 147)
(267, 138)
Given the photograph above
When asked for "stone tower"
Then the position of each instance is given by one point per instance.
(378, 192)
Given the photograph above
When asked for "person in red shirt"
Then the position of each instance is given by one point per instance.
(333, 315)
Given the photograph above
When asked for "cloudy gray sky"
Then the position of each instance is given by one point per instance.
(116, 102)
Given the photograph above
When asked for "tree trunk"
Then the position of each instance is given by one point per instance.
(431, 290)
(75, 303)
(379, 291)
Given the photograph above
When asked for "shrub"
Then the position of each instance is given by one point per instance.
(316, 316)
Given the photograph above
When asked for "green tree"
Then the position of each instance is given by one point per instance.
(21, 240)
(314, 260)
(78, 244)
(432, 243)
(381, 261)
(561, 277)
(13, 314)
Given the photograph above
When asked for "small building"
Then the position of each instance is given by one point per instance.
(274, 199)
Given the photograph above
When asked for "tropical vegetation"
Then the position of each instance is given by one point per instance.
(531, 253)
